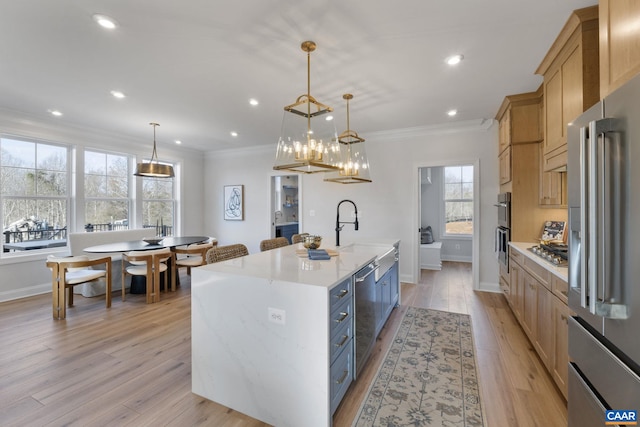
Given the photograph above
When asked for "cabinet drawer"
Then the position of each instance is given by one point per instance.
(560, 288)
(538, 272)
(339, 294)
(516, 256)
(340, 338)
(341, 316)
(341, 375)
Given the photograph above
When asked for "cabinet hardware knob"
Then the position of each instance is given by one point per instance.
(342, 294)
(343, 377)
(344, 340)
(344, 316)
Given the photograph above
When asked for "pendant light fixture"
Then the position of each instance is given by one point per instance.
(308, 141)
(153, 168)
(355, 166)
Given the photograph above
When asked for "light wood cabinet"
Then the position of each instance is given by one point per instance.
(571, 82)
(538, 300)
(619, 43)
(560, 359)
(504, 161)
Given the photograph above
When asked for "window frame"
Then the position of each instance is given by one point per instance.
(67, 198)
(443, 202)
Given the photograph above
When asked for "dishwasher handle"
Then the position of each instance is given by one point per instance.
(360, 279)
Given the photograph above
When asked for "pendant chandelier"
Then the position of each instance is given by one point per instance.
(308, 142)
(354, 168)
(153, 168)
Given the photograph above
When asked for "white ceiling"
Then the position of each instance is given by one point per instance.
(193, 65)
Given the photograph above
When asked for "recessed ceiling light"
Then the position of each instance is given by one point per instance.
(178, 142)
(329, 118)
(55, 113)
(117, 94)
(253, 102)
(452, 113)
(104, 21)
(455, 59)
(234, 134)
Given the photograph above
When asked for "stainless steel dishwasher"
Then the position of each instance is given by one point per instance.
(365, 293)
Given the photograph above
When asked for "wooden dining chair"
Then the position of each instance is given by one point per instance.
(191, 256)
(149, 264)
(269, 244)
(67, 272)
(222, 253)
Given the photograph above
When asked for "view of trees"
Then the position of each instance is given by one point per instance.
(458, 199)
(33, 179)
(35, 188)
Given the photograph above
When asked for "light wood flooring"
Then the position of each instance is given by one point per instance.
(131, 365)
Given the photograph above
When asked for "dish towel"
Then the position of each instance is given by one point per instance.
(318, 254)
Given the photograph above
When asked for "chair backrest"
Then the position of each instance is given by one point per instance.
(221, 253)
(141, 257)
(297, 238)
(269, 244)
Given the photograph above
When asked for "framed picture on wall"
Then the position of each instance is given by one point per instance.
(234, 202)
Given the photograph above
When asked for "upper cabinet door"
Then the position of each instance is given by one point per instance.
(619, 43)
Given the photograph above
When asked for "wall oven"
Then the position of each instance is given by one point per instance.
(503, 231)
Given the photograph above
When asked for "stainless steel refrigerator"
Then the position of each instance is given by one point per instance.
(604, 262)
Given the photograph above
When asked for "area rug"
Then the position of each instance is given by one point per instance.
(428, 377)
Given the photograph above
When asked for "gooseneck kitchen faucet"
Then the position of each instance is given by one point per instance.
(338, 226)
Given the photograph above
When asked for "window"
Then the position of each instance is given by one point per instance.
(158, 204)
(34, 191)
(458, 200)
(106, 191)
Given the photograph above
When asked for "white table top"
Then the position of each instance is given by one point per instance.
(283, 264)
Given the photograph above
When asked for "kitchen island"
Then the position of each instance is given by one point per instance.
(273, 332)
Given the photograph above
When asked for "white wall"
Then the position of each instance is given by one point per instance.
(26, 274)
(387, 207)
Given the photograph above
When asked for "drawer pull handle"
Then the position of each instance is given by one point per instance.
(564, 318)
(343, 377)
(344, 316)
(342, 294)
(565, 293)
(344, 340)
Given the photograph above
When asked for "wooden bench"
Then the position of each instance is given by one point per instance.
(79, 241)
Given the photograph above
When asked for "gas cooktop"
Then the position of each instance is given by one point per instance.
(554, 254)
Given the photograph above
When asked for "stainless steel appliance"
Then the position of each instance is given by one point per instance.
(369, 308)
(365, 294)
(556, 254)
(604, 259)
(503, 231)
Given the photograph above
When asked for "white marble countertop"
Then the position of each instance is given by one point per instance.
(522, 247)
(283, 264)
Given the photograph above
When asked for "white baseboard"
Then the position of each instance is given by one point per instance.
(489, 287)
(457, 258)
(25, 292)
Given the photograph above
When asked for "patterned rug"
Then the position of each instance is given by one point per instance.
(428, 377)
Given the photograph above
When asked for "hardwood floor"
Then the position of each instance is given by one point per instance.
(131, 365)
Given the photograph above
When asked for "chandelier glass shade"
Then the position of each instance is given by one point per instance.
(354, 166)
(153, 168)
(308, 141)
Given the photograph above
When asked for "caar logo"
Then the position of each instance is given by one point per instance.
(621, 417)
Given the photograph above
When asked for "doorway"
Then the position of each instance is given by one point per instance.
(285, 205)
(448, 207)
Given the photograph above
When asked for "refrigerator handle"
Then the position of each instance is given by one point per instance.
(605, 179)
(585, 290)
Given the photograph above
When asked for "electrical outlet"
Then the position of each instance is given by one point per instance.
(312, 213)
(457, 246)
(277, 315)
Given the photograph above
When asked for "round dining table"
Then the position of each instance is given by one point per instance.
(138, 286)
(141, 245)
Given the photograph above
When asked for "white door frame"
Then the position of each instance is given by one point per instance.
(415, 235)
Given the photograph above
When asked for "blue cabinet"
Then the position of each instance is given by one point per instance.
(287, 230)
